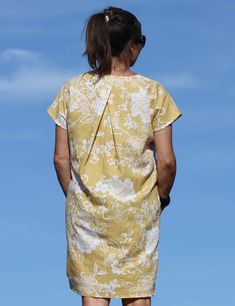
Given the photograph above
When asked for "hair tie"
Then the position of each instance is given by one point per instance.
(106, 18)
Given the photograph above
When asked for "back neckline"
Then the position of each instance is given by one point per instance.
(123, 76)
(117, 76)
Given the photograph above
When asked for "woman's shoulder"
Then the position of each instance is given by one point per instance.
(149, 79)
(77, 78)
(155, 84)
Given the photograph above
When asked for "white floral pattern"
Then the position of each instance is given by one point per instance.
(115, 188)
(112, 206)
(152, 240)
(138, 107)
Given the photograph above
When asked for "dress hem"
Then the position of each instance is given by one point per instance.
(118, 296)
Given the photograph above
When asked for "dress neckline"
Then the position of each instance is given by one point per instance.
(123, 76)
(118, 76)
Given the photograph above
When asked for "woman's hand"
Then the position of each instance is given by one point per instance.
(164, 202)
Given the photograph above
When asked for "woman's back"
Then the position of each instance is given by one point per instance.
(110, 125)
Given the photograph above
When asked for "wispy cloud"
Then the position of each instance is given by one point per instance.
(15, 53)
(32, 76)
(181, 80)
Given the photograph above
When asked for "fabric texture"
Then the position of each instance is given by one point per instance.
(112, 205)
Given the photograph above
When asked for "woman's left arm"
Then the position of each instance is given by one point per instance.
(62, 158)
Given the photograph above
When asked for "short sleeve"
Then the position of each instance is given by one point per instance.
(58, 109)
(165, 109)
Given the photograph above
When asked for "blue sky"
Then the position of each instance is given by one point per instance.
(191, 50)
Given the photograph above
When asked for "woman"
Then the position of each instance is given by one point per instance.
(110, 122)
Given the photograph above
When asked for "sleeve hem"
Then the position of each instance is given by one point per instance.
(156, 129)
(55, 119)
(51, 114)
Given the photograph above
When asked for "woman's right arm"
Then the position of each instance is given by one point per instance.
(166, 161)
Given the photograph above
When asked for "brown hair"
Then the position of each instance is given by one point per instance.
(108, 33)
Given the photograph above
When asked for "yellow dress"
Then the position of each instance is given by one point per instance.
(112, 206)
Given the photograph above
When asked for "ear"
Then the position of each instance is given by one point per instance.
(133, 45)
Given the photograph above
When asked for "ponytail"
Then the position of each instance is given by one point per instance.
(98, 49)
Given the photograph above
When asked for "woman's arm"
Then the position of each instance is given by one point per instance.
(62, 158)
(166, 161)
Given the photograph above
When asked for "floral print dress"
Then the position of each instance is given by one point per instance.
(112, 205)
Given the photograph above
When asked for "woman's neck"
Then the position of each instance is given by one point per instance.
(120, 68)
